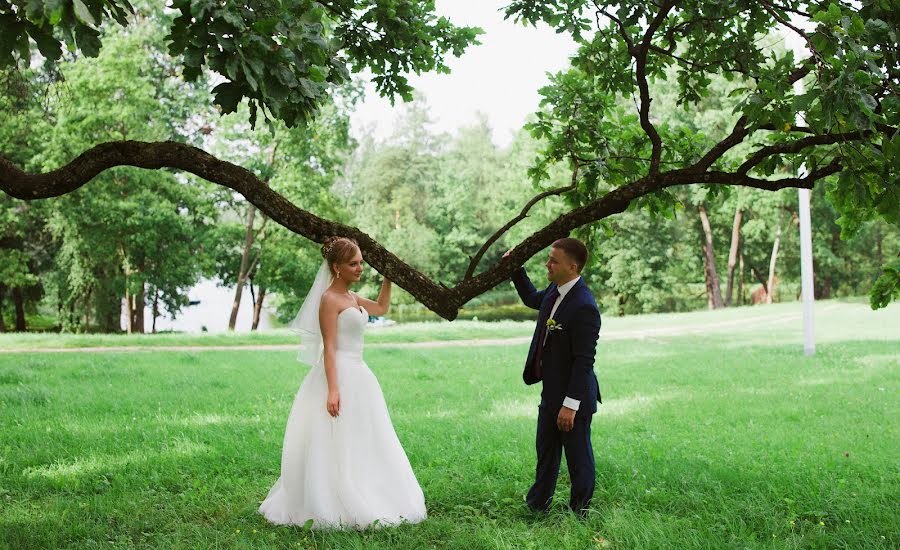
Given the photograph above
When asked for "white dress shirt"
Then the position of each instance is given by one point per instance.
(563, 290)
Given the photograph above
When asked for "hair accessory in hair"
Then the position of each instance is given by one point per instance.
(326, 248)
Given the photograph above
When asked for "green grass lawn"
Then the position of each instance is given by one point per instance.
(724, 437)
(407, 332)
(835, 319)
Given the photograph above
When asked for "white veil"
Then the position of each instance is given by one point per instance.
(306, 323)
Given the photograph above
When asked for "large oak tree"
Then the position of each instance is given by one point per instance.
(284, 57)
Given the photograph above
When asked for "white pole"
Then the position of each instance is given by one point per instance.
(806, 273)
(806, 261)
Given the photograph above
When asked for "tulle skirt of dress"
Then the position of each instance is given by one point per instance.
(344, 472)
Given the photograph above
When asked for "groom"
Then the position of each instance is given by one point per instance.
(562, 358)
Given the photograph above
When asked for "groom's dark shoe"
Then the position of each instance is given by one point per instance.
(538, 510)
(580, 508)
(582, 513)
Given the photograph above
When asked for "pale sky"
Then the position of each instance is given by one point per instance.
(499, 78)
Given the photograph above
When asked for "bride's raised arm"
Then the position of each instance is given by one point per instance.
(382, 305)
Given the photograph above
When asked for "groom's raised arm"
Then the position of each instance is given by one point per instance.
(530, 296)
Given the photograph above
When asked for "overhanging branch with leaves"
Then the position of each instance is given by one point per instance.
(852, 49)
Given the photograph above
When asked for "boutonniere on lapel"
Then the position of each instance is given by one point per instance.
(553, 326)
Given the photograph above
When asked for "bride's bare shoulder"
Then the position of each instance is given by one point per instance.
(330, 300)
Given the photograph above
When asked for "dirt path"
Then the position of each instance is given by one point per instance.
(605, 335)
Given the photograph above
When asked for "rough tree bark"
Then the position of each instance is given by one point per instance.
(155, 310)
(713, 285)
(2, 321)
(257, 307)
(129, 308)
(86, 327)
(442, 300)
(137, 311)
(733, 253)
(242, 273)
(19, 302)
(770, 287)
(435, 296)
(250, 237)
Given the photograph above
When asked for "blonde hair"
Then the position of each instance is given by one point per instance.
(338, 250)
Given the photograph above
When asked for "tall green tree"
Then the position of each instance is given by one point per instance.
(134, 234)
(301, 163)
(25, 250)
(617, 156)
(391, 189)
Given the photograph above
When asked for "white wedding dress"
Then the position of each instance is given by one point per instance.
(349, 471)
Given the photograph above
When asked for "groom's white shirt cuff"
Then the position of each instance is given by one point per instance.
(570, 403)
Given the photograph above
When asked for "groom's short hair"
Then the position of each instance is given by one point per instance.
(574, 249)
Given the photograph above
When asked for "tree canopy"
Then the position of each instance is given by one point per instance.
(597, 118)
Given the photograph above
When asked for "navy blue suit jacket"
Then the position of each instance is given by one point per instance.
(567, 360)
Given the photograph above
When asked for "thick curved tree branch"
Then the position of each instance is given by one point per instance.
(741, 131)
(687, 177)
(798, 145)
(510, 224)
(639, 53)
(643, 86)
(169, 154)
(438, 298)
(737, 135)
(476, 259)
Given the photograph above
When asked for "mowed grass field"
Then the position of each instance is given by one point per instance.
(715, 432)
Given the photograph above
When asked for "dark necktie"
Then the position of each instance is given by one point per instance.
(542, 332)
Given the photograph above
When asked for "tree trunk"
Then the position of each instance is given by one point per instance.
(732, 254)
(129, 308)
(19, 301)
(713, 286)
(155, 308)
(137, 311)
(87, 311)
(257, 307)
(72, 316)
(2, 322)
(825, 290)
(242, 273)
(740, 291)
(770, 287)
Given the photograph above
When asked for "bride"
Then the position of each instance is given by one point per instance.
(342, 465)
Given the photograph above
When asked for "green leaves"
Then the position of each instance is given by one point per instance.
(83, 13)
(50, 23)
(589, 112)
(227, 96)
(887, 287)
(282, 56)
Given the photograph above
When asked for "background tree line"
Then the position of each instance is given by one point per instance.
(143, 238)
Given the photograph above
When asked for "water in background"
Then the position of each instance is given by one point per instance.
(212, 311)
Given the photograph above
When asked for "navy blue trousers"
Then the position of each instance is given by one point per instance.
(550, 443)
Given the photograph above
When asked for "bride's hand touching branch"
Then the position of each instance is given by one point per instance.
(380, 306)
